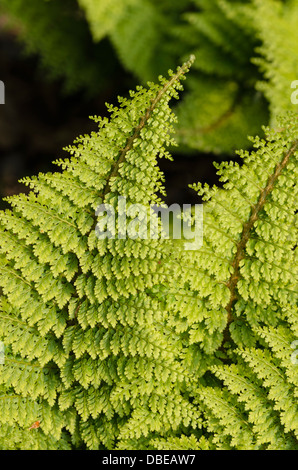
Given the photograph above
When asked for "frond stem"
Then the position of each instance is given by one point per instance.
(241, 245)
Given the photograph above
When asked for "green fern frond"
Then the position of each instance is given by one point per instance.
(276, 26)
(86, 330)
(116, 342)
(249, 229)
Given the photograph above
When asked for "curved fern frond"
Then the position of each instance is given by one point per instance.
(83, 318)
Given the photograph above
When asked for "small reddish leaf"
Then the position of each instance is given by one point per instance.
(35, 425)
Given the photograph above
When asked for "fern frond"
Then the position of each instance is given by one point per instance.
(276, 26)
(85, 322)
(251, 225)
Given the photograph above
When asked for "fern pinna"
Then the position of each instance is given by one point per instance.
(136, 343)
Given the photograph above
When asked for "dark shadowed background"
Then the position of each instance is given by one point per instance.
(38, 119)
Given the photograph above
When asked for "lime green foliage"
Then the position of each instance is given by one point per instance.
(89, 349)
(137, 343)
(246, 273)
(246, 51)
(277, 28)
